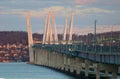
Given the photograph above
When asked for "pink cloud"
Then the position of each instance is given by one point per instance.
(85, 1)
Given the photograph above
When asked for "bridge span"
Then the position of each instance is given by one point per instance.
(72, 56)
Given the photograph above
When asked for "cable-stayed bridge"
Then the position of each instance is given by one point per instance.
(101, 52)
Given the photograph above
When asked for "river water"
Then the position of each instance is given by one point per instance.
(27, 71)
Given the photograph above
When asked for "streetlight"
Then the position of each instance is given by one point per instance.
(95, 40)
(95, 36)
(111, 39)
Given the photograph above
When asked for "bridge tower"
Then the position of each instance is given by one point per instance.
(71, 28)
(30, 38)
(50, 36)
(55, 37)
(48, 31)
(45, 31)
(65, 30)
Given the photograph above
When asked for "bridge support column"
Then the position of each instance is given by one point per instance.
(58, 61)
(40, 57)
(46, 58)
(49, 59)
(114, 75)
(95, 68)
(97, 71)
(111, 68)
(35, 59)
(43, 57)
(72, 60)
(62, 62)
(65, 63)
(86, 68)
(53, 59)
(106, 73)
(78, 66)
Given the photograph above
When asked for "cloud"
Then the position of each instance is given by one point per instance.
(42, 12)
(81, 2)
(58, 10)
(12, 11)
(62, 11)
(92, 11)
(16, 13)
(36, 13)
(96, 10)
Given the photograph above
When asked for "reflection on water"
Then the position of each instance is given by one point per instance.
(27, 71)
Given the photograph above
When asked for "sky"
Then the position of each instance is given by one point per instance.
(106, 12)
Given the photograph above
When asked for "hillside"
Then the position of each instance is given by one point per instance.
(12, 37)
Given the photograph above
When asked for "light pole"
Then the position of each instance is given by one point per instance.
(111, 39)
(81, 43)
(95, 36)
(95, 40)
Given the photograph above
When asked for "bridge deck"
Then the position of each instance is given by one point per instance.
(103, 54)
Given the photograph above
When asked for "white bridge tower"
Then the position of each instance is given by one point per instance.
(30, 39)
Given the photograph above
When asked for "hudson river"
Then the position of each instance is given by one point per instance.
(27, 71)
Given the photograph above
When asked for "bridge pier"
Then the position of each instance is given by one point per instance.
(60, 61)
(49, 59)
(53, 59)
(87, 63)
(111, 68)
(114, 75)
(56, 63)
(97, 71)
(46, 58)
(78, 66)
(72, 64)
(38, 56)
(66, 63)
(106, 73)
(43, 57)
